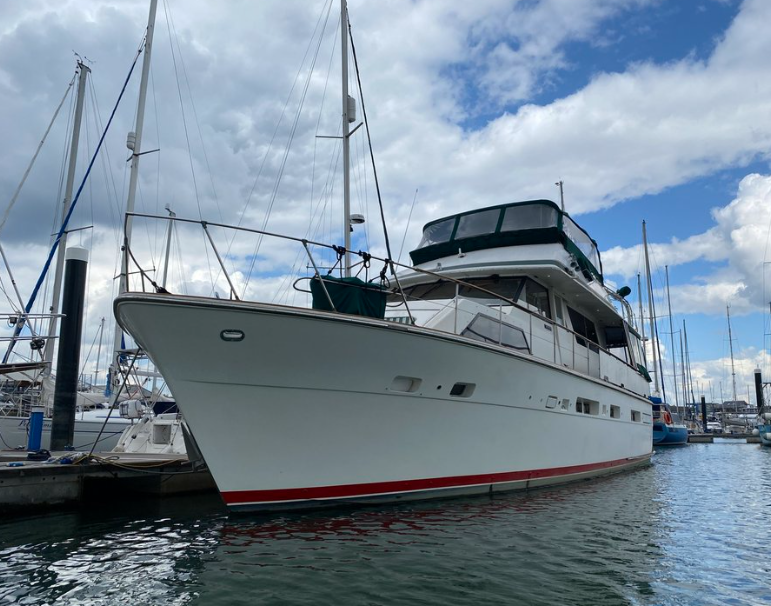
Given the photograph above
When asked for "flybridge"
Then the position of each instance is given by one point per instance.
(514, 224)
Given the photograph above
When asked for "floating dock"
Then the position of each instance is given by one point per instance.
(72, 479)
(709, 438)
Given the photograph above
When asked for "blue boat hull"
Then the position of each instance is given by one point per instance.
(666, 435)
(765, 434)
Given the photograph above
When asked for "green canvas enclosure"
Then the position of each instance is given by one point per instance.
(350, 296)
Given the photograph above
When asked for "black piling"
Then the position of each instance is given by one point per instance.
(759, 390)
(67, 365)
(704, 413)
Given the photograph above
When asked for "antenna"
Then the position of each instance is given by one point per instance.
(562, 194)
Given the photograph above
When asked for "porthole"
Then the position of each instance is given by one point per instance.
(232, 334)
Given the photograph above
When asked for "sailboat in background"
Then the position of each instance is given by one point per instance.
(668, 429)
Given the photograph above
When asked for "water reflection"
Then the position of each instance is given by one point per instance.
(687, 530)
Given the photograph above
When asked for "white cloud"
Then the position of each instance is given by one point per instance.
(739, 239)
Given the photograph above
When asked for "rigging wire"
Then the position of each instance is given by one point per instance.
(34, 157)
(407, 227)
(187, 137)
(170, 19)
(369, 140)
(288, 147)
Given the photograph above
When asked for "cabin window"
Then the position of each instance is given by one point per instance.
(537, 298)
(646, 418)
(489, 330)
(437, 233)
(615, 412)
(583, 327)
(551, 402)
(636, 417)
(579, 406)
(477, 224)
(584, 243)
(565, 403)
(509, 288)
(529, 216)
(616, 343)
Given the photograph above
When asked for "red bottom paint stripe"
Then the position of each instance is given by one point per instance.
(237, 497)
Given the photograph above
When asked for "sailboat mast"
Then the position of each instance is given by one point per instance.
(172, 214)
(642, 317)
(99, 351)
(48, 354)
(134, 143)
(672, 341)
(652, 317)
(731, 346)
(682, 361)
(346, 141)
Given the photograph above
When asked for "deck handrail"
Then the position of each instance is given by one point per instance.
(388, 263)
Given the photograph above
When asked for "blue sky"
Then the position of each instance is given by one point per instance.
(647, 109)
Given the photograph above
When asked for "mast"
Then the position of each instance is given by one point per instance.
(346, 141)
(672, 341)
(48, 354)
(731, 346)
(650, 308)
(134, 143)
(642, 317)
(172, 214)
(688, 364)
(99, 350)
(682, 362)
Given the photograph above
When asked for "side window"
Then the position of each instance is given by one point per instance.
(537, 298)
(489, 330)
(583, 327)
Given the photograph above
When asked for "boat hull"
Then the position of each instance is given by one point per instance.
(14, 432)
(298, 408)
(669, 435)
(764, 433)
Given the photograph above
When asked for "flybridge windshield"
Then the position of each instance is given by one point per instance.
(485, 222)
(516, 224)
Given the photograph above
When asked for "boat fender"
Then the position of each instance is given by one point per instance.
(756, 432)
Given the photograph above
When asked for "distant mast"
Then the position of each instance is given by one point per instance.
(48, 353)
(642, 317)
(652, 317)
(672, 341)
(731, 347)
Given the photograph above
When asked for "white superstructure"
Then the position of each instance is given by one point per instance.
(502, 362)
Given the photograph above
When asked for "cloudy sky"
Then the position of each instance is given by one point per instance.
(646, 109)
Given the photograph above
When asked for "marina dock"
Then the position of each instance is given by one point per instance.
(71, 479)
(709, 438)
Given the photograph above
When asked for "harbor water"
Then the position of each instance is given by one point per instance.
(692, 528)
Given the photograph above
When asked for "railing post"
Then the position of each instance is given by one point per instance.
(399, 286)
(318, 275)
(219, 259)
(455, 326)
